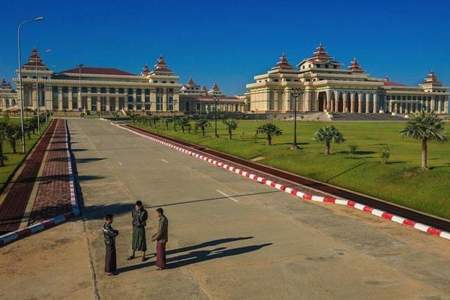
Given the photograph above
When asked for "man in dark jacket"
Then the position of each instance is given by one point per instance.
(139, 218)
(110, 234)
(161, 238)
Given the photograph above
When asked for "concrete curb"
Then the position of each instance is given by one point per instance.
(35, 228)
(295, 192)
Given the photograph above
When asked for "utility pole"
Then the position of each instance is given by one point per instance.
(19, 60)
(37, 98)
(216, 100)
(295, 94)
(79, 88)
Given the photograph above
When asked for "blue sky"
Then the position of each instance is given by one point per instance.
(231, 41)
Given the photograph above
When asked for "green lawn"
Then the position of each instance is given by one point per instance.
(400, 181)
(14, 160)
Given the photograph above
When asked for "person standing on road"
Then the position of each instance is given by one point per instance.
(139, 216)
(161, 238)
(110, 234)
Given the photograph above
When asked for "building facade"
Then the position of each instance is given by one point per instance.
(92, 89)
(196, 99)
(8, 96)
(320, 84)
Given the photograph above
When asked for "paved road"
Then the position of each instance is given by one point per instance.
(230, 238)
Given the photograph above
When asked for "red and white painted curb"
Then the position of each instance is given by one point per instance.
(21, 233)
(294, 191)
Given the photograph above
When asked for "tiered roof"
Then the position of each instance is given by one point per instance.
(215, 90)
(145, 70)
(432, 79)
(282, 64)
(161, 67)
(35, 61)
(5, 85)
(355, 67)
(321, 56)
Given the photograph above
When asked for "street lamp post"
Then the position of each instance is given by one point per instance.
(79, 100)
(216, 100)
(37, 97)
(295, 95)
(19, 60)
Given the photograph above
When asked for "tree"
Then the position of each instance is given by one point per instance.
(167, 121)
(202, 124)
(231, 125)
(3, 126)
(385, 154)
(328, 135)
(184, 123)
(13, 134)
(270, 130)
(425, 127)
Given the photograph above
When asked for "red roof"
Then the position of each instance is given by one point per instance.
(100, 71)
(392, 83)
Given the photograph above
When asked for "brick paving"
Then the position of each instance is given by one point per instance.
(53, 193)
(13, 208)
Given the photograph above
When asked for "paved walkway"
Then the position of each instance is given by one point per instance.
(12, 209)
(230, 238)
(53, 194)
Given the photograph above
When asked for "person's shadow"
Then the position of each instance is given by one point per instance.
(197, 256)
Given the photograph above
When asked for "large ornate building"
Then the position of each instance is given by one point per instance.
(108, 89)
(320, 83)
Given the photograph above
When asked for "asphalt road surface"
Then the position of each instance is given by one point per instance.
(230, 238)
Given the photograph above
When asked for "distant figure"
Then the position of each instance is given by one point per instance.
(161, 238)
(110, 244)
(139, 217)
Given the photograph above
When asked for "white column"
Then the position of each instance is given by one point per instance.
(446, 105)
(344, 102)
(336, 101)
(60, 98)
(89, 99)
(367, 103)
(80, 99)
(48, 98)
(134, 99)
(375, 103)
(352, 102)
(107, 104)
(360, 102)
(69, 101)
(307, 101)
(328, 103)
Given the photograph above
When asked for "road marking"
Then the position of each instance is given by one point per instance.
(228, 196)
(164, 161)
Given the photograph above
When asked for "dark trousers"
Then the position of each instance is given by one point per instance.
(161, 254)
(110, 259)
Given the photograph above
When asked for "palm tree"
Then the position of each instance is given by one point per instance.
(231, 125)
(270, 130)
(184, 123)
(202, 124)
(425, 127)
(13, 134)
(327, 135)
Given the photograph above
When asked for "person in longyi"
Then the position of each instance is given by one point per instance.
(109, 233)
(139, 217)
(161, 237)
